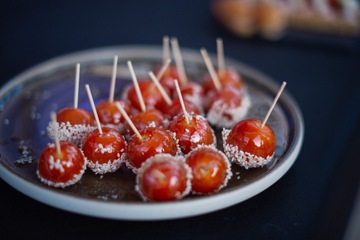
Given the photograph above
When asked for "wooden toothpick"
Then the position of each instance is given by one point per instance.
(211, 69)
(128, 120)
(163, 68)
(220, 55)
(166, 49)
(137, 88)
(77, 80)
(182, 101)
(93, 107)
(56, 133)
(273, 104)
(179, 61)
(161, 89)
(113, 79)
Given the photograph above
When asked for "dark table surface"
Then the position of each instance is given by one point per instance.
(315, 199)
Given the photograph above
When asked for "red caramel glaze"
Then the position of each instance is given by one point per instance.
(61, 170)
(192, 134)
(154, 140)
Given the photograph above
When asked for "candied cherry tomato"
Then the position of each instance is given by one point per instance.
(75, 116)
(192, 134)
(61, 170)
(229, 77)
(108, 112)
(151, 117)
(150, 93)
(153, 140)
(175, 108)
(163, 178)
(229, 96)
(210, 169)
(104, 151)
(190, 89)
(168, 78)
(250, 137)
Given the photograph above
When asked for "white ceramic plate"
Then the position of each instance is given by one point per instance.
(27, 100)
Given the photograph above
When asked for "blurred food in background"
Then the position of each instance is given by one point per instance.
(271, 18)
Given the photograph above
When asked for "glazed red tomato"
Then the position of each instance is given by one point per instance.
(249, 137)
(162, 178)
(228, 77)
(175, 108)
(105, 147)
(75, 116)
(108, 112)
(154, 140)
(229, 96)
(191, 89)
(168, 78)
(61, 170)
(197, 132)
(209, 169)
(150, 93)
(152, 117)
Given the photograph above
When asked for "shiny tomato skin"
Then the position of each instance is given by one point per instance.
(175, 108)
(249, 137)
(154, 140)
(191, 89)
(164, 180)
(150, 93)
(109, 113)
(228, 77)
(209, 169)
(167, 79)
(142, 120)
(229, 96)
(71, 160)
(101, 148)
(75, 116)
(197, 132)
(171, 72)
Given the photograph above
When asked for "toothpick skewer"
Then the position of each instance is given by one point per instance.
(113, 79)
(220, 55)
(56, 133)
(163, 68)
(137, 88)
(211, 69)
(93, 108)
(273, 104)
(161, 89)
(166, 49)
(128, 120)
(77, 80)
(179, 61)
(182, 101)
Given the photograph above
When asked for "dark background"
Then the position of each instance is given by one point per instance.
(314, 199)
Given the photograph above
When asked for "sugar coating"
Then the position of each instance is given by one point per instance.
(67, 132)
(244, 159)
(61, 165)
(109, 166)
(178, 153)
(196, 137)
(163, 157)
(217, 114)
(229, 173)
(25, 154)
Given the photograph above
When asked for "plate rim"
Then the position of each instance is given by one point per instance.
(163, 210)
